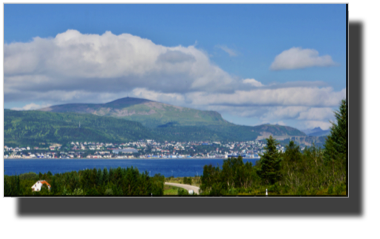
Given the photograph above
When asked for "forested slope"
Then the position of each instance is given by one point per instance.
(28, 128)
(33, 127)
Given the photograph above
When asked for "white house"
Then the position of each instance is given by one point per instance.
(37, 186)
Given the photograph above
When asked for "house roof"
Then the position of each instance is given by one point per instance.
(44, 182)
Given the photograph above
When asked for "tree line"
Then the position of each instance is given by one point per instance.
(89, 182)
(314, 171)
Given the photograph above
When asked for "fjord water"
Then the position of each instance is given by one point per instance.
(166, 167)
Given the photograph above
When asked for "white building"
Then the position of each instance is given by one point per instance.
(37, 186)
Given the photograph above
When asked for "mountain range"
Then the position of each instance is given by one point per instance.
(149, 113)
(129, 119)
(163, 117)
(316, 132)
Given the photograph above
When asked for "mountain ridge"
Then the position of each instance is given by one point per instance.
(175, 122)
(149, 113)
(34, 127)
(317, 131)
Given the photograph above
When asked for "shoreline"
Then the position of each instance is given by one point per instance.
(114, 158)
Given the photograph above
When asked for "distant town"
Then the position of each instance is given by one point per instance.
(141, 149)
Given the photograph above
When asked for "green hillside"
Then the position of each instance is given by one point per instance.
(23, 128)
(34, 127)
(150, 113)
(276, 130)
(229, 132)
(206, 133)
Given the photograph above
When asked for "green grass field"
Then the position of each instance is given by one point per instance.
(171, 190)
(196, 181)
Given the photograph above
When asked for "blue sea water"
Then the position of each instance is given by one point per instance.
(166, 167)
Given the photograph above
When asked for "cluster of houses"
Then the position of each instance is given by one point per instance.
(144, 149)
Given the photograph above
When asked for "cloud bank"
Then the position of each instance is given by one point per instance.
(298, 58)
(76, 67)
(75, 61)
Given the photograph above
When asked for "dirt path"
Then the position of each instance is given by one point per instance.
(185, 186)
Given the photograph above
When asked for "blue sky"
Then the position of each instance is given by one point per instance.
(240, 40)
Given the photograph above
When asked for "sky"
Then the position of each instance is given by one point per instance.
(253, 63)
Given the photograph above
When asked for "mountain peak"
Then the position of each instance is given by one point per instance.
(127, 101)
(148, 112)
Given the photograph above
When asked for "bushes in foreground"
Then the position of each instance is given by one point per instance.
(89, 182)
(311, 172)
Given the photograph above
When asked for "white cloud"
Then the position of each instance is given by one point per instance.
(107, 63)
(160, 97)
(266, 104)
(310, 124)
(281, 112)
(317, 114)
(90, 68)
(280, 123)
(293, 116)
(31, 106)
(292, 96)
(253, 82)
(297, 58)
(229, 51)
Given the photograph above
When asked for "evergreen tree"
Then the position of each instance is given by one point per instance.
(336, 142)
(7, 187)
(99, 177)
(105, 175)
(18, 188)
(270, 163)
(292, 152)
(53, 188)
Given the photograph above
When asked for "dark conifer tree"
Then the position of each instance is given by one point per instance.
(99, 177)
(53, 188)
(105, 175)
(270, 163)
(336, 142)
(7, 187)
(292, 152)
